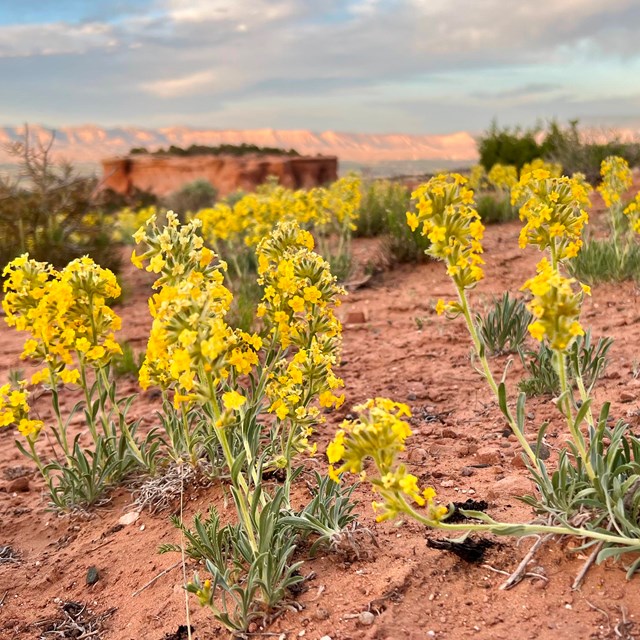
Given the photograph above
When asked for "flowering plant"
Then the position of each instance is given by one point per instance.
(589, 474)
(72, 335)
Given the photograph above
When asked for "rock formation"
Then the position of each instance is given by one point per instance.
(164, 174)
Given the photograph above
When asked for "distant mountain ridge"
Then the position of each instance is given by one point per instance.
(91, 143)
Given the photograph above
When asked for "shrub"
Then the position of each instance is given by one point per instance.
(503, 329)
(508, 146)
(192, 197)
(495, 209)
(382, 202)
(51, 213)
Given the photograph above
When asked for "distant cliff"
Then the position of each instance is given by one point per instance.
(163, 174)
(91, 143)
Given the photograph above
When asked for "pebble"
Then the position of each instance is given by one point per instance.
(509, 486)
(19, 485)
(488, 455)
(467, 471)
(92, 575)
(366, 618)
(447, 483)
(326, 638)
(411, 397)
(355, 317)
(321, 614)
(417, 455)
(129, 518)
(627, 396)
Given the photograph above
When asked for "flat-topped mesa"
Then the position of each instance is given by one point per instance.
(165, 174)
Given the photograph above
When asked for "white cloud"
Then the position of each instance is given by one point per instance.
(182, 86)
(57, 38)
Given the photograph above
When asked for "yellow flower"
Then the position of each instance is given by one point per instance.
(233, 400)
(138, 261)
(440, 306)
(536, 329)
(297, 304)
(70, 376)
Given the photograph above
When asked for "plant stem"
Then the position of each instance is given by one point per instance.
(477, 344)
(565, 393)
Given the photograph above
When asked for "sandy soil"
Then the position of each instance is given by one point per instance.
(401, 350)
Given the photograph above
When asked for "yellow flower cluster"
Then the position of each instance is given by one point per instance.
(14, 409)
(555, 306)
(503, 176)
(254, 216)
(445, 212)
(65, 312)
(553, 211)
(191, 347)
(554, 168)
(300, 295)
(477, 177)
(127, 221)
(173, 250)
(380, 433)
(632, 212)
(616, 179)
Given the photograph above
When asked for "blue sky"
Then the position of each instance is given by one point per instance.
(415, 66)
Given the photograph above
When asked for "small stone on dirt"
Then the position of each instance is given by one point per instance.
(355, 317)
(321, 614)
(509, 486)
(92, 576)
(19, 485)
(488, 455)
(129, 518)
(627, 396)
(465, 472)
(366, 618)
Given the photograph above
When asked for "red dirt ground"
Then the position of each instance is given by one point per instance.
(404, 351)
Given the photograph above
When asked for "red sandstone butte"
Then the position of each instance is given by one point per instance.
(164, 174)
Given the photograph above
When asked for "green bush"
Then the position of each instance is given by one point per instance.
(565, 145)
(381, 200)
(570, 148)
(503, 329)
(196, 195)
(508, 146)
(50, 212)
(604, 261)
(493, 209)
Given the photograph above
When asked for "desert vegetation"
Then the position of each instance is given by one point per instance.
(297, 387)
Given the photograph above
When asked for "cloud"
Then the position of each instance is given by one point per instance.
(58, 38)
(326, 64)
(182, 86)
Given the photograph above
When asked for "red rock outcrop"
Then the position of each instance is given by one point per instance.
(164, 174)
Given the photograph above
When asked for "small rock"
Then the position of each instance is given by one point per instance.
(321, 614)
(355, 317)
(627, 396)
(92, 575)
(447, 483)
(488, 455)
(326, 638)
(417, 455)
(518, 461)
(465, 472)
(366, 618)
(411, 397)
(19, 485)
(544, 453)
(509, 486)
(129, 518)
(449, 433)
